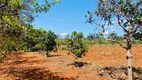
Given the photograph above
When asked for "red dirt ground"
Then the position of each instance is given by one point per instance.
(33, 66)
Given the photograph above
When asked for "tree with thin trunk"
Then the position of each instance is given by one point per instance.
(127, 14)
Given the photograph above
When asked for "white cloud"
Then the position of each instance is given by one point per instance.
(63, 35)
(106, 33)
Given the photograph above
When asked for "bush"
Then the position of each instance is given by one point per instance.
(76, 46)
(39, 40)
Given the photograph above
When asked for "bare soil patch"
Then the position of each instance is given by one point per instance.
(100, 63)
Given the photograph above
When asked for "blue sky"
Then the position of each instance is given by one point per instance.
(68, 16)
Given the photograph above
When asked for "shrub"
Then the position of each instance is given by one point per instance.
(39, 40)
(76, 46)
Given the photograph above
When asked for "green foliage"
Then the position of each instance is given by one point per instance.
(88, 42)
(14, 16)
(76, 46)
(100, 40)
(49, 41)
(24, 9)
(137, 42)
(64, 48)
(39, 39)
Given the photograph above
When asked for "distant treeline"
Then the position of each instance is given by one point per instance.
(100, 39)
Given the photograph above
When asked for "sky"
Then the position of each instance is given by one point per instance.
(68, 16)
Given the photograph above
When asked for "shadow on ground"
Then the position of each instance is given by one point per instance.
(120, 73)
(54, 55)
(79, 64)
(20, 68)
(35, 74)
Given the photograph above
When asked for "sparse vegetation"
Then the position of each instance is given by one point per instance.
(28, 52)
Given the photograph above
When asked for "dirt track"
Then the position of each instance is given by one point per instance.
(33, 66)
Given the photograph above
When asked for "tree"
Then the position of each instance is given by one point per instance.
(94, 36)
(39, 40)
(14, 16)
(128, 15)
(90, 36)
(76, 46)
(49, 41)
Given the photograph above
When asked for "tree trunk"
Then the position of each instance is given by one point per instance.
(129, 38)
(47, 54)
(129, 58)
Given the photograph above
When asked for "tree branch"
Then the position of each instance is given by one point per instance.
(138, 4)
(101, 25)
(135, 29)
(120, 23)
(117, 43)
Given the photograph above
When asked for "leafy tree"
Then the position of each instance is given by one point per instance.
(50, 42)
(90, 36)
(14, 16)
(128, 15)
(94, 36)
(39, 40)
(76, 46)
(31, 40)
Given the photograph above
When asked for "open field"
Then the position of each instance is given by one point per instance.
(100, 63)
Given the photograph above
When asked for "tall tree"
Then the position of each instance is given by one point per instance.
(128, 14)
(14, 16)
